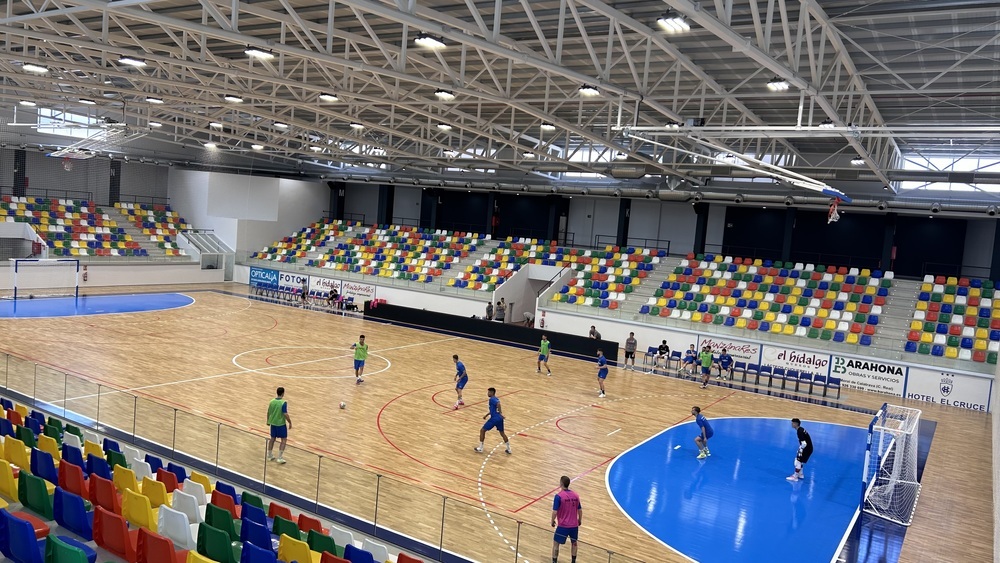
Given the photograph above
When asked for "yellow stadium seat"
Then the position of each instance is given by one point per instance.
(156, 492)
(770, 317)
(789, 330)
(696, 317)
(823, 313)
(948, 298)
(921, 305)
(926, 287)
(125, 480)
(798, 310)
(137, 511)
(49, 445)
(916, 325)
(8, 484)
(290, 549)
(927, 337)
(852, 338)
(741, 323)
(982, 334)
(951, 352)
(16, 453)
(92, 448)
(981, 344)
(777, 328)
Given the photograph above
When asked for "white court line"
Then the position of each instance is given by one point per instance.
(261, 370)
(614, 432)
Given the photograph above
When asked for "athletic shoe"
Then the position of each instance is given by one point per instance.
(538, 371)
(707, 453)
(601, 395)
(461, 402)
(550, 374)
(478, 449)
(704, 386)
(793, 477)
(281, 460)
(456, 407)
(702, 455)
(359, 381)
(509, 452)
(271, 458)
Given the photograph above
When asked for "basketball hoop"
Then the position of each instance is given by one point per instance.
(833, 216)
(67, 164)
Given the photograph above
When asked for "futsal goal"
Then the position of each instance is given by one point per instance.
(891, 488)
(41, 277)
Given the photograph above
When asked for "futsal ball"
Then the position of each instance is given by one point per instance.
(343, 405)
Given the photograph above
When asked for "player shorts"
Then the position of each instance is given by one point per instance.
(279, 431)
(704, 370)
(708, 435)
(603, 374)
(462, 382)
(493, 423)
(543, 358)
(358, 364)
(688, 360)
(804, 456)
(562, 533)
(630, 355)
(728, 367)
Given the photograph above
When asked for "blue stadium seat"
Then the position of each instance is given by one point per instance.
(99, 466)
(911, 347)
(71, 513)
(73, 455)
(866, 340)
(937, 350)
(42, 465)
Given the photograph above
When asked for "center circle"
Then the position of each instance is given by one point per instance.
(346, 356)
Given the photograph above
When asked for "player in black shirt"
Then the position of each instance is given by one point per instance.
(805, 450)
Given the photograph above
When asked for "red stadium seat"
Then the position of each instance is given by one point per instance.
(111, 533)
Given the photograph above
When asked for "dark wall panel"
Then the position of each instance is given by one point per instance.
(523, 216)
(855, 240)
(928, 245)
(753, 232)
(461, 211)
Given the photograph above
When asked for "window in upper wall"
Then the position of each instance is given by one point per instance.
(67, 124)
(949, 164)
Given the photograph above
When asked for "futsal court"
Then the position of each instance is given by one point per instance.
(194, 368)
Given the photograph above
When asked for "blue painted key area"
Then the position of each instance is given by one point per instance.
(92, 305)
(736, 505)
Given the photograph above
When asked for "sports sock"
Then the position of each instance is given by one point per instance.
(480, 445)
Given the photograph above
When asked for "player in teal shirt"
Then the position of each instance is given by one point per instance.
(360, 355)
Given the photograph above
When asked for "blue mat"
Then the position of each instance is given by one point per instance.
(736, 505)
(93, 305)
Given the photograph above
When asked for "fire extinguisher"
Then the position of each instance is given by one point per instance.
(541, 322)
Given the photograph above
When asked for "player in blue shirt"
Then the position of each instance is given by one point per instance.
(704, 432)
(602, 370)
(495, 420)
(725, 364)
(461, 379)
(687, 363)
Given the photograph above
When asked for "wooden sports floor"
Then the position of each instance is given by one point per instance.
(220, 359)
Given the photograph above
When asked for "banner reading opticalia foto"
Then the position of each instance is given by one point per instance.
(263, 277)
(947, 388)
(792, 358)
(323, 285)
(869, 375)
(286, 279)
(739, 350)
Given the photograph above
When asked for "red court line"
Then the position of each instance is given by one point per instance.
(563, 444)
(560, 419)
(580, 476)
(467, 405)
(378, 421)
(434, 398)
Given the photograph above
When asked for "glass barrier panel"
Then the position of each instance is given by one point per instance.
(619, 558)
(154, 422)
(21, 376)
(50, 389)
(410, 510)
(299, 476)
(81, 400)
(196, 436)
(242, 452)
(3, 369)
(535, 544)
(471, 532)
(347, 488)
(116, 409)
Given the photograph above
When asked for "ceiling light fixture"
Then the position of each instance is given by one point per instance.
(210, 145)
(450, 153)
(153, 100)
(546, 126)
(87, 102)
(826, 124)
(429, 41)
(673, 125)
(672, 22)
(233, 98)
(215, 125)
(444, 127)
(326, 97)
(620, 156)
(777, 84)
(155, 124)
(28, 103)
(315, 148)
(588, 90)
(857, 161)
(256, 53)
(356, 125)
(257, 147)
(132, 61)
(445, 95)
(280, 125)
(528, 154)
(38, 69)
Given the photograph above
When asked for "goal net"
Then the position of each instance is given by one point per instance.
(37, 277)
(891, 488)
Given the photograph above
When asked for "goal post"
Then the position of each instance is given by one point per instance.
(890, 485)
(45, 277)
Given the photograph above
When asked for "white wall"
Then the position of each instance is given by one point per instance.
(406, 206)
(716, 228)
(188, 190)
(442, 303)
(979, 247)
(363, 199)
(663, 220)
(243, 197)
(300, 203)
(99, 275)
(589, 217)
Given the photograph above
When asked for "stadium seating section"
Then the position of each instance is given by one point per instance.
(806, 300)
(178, 516)
(71, 228)
(956, 318)
(157, 222)
(603, 278)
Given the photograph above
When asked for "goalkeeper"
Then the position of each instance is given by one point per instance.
(805, 450)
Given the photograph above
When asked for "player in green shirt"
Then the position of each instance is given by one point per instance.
(360, 355)
(543, 355)
(280, 423)
(705, 357)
